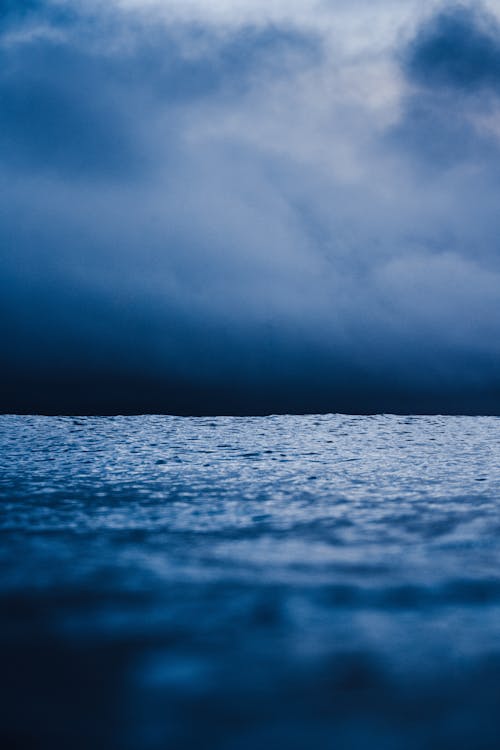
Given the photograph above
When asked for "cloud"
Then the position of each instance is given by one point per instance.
(14, 10)
(245, 217)
(453, 67)
(66, 107)
(459, 48)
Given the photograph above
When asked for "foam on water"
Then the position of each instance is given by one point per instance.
(250, 582)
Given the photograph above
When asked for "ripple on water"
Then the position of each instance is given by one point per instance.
(250, 582)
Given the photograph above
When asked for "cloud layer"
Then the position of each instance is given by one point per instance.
(207, 212)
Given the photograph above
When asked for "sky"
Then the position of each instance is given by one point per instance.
(248, 207)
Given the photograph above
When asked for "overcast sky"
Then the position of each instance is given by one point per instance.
(242, 206)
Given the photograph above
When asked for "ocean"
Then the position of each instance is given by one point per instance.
(250, 583)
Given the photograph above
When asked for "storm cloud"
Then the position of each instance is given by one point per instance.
(246, 214)
(459, 48)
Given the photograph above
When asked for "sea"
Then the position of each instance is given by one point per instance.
(236, 583)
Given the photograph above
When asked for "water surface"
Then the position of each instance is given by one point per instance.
(237, 583)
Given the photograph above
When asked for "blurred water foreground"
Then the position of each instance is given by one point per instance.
(242, 583)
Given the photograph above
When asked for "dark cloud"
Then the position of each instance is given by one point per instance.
(71, 104)
(459, 48)
(16, 10)
(60, 112)
(189, 225)
(453, 66)
(15, 14)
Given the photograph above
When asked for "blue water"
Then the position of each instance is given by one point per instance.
(250, 583)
